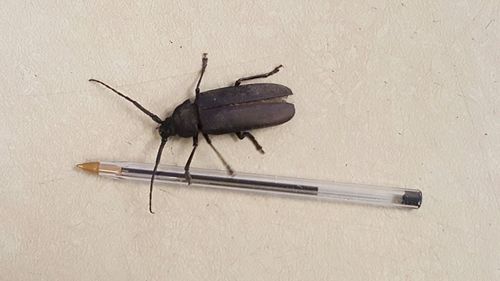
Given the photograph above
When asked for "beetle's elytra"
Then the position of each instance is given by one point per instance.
(231, 110)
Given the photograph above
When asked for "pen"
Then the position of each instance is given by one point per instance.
(277, 185)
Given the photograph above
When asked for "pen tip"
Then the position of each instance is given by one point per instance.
(92, 167)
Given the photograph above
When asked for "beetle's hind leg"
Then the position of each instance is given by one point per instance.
(242, 135)
(204, 62)
(188, 163)
(264, 75)
(228, 168)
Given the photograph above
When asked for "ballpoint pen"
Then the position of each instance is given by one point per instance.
(301, 188)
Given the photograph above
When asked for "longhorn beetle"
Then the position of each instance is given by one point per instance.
(230, 110)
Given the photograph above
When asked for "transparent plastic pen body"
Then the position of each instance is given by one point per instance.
(306, 188)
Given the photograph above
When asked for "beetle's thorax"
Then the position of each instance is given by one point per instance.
(183, 122)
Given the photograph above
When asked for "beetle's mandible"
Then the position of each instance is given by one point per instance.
(231, 110)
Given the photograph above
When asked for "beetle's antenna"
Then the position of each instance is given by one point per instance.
(153, 116)
(158, 157)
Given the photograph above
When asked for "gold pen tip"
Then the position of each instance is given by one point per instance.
(92, 167)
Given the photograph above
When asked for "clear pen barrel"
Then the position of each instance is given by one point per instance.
(359, 193)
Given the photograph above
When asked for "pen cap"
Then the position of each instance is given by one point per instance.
(412, 198)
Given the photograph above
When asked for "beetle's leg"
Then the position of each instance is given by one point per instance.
(228, 168)
(275, 70)
(242, 135)
(188, 163)
(204, 62)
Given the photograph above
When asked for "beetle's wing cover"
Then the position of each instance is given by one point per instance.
(244, 117)
(241, 94)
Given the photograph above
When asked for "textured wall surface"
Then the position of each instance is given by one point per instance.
(401, 93)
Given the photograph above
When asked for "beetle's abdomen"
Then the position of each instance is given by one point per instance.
(185, 118)
(244, 117)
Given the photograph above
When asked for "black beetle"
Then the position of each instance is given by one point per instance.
(234, 109)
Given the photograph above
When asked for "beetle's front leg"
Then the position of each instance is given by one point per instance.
(274, 71)
(204, 62)
(187, 175)
(242, 135)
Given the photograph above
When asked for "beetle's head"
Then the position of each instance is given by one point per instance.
(167, 128)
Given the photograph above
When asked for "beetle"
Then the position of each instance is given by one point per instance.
(230, 110)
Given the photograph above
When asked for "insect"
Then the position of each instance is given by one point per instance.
(230, 110)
